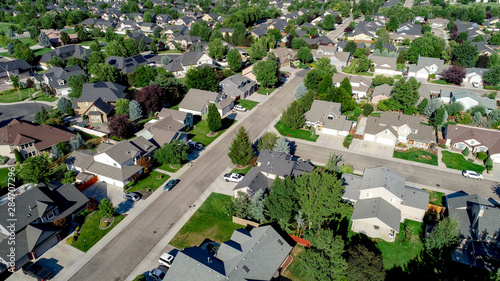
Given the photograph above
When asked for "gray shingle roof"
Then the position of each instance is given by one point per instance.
(377, 208)
(65, 53)
(275, 163)
(196, 99)
(107, 91)
(255, 180)
(384, 89)
(237, 85)
(126, 65)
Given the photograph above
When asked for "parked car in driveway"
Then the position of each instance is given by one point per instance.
(233, 177)
(170, 184)
(132, 196)
(240, 108)
(472, 174)
(196, 145)
(37, 271)
(159, 273)
(166, 259)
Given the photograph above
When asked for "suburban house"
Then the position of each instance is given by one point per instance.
(126, 65)
(341, 45)
(360, 84)
(102, 24)
(37, 208)
(485, 48)
(171, 29)
(467, 98)
(57, 79)
(98, 100)
(386, 46)
(114, 164)
(382, 201)
(248, 73)
(55, 37)
(409, 28)
(271, 164)
(237, 87)
(340, 59)
(168, 127)
(396, 38)
(385, 65)
(148, 27)
(29, 139)
(326, 118)
(479, 227)
(197, 101)
(285, 56)
(391, 128)
(163, 20)
(64, 52)
(475, 75)
(180, 65)
(438, 22)
(425, 67)
(365, 31)
(460, 137)
(138, 37)
(257, 254)
(17, 67)
(471, 28)
(381, 92)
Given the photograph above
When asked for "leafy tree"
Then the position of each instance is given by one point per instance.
(382, 79)
(494, 39)
(340, 95)
(465, 54)
(454, 108)
(151, 97)
(267, 141)
(304, 55)
(76, 142)
(266, 73)
(122, 106)
(367, 109)
(325, 65)
(483, 61)
(405, 94)
(351, 47)
(325, 84)
(282, 201)
(364, 264)
(110, 34)
(488, 164)
(216, 49)
(241, 150)
(234, 60)
(293, 116)
(63, 104)
(135, 110)
(64, 38)
(41, 116)
(478, 108)
(492, 76)
(119, 125)
(214, 119)
(106, 208)
(202, 78)
(298, 43)
(116, 49)
(454, 74)
(363, 64)
(329, 23)
(172, 153)
(23, 51)
(56, 61)
(35, 170)
(76, 83)
(44, 40)
(425, 46)
(313, 78)
(257, 207)
(55, 152)
(393, 23)
(360, 53)
(241, 205)
(131, 46)
(443, 238)
(144, 74)
(258, 51)
(95, 58)
(282, 145)
(437, 118)
(75, 61)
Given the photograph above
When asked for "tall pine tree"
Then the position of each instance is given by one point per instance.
(241, 150)
(214, 120)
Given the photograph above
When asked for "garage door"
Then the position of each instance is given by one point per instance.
(385, 141)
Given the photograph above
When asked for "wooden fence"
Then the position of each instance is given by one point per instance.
(245, 222)
(301, 241)
(88, 183)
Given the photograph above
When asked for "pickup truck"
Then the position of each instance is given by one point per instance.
(37, 271)
(233, 177)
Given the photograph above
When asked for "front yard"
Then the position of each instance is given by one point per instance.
(210, 221)
(248, 104)
(243, 171)
(286, 131)
(435, 197)
(11, 96)
(3, 180)
(200, 131)
(152, 180)
(264, 91)
(458, 161)
(420, 156)
(90, 232)
(401, 251)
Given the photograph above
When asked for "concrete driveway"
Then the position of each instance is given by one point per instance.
(101, 190)
(371, 148)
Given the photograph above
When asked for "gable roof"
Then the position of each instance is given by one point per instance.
(320, 109)
(487, 137)
(383, 89)
(14, 64)
(377, 208)
(107, 91)
(65, 52)
(126, 65)
(196, 99)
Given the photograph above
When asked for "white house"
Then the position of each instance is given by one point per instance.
(326, 118)
(385, 65)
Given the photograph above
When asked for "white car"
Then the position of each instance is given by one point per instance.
(240, 108)
(233, 177)
(475, 84)
(472, 174)
(166, 259)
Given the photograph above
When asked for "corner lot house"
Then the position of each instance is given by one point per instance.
(479, 227)
(29, 139)
(37, 208)
(112, 163)
(285, 56)
(326, 118)
(382, 201)
(460, 137)
(257, 254)
(392, 127)
(197, 101)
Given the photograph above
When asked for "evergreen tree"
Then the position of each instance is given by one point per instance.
(135, 110)
(76, 142)
(63, 104)
(241, 150)
(10, 48)
(142, 46)
(214, 119)
(153, 48)
(55, 152)
(44, 40)
(282, 145)
(257, 207)
(293, 116)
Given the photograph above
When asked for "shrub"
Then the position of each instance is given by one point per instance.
(488, 164)
(92, 205)
(367, 109)
(466, 152)
(482, 155)
(442, 145)
(348, 141)
(70, 240)
(470, 160)
(3, 159)
(77, 228)
(357, 111)
(140, 278)
(104, 224)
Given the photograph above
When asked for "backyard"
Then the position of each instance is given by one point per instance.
(458, 161)
(153, 180)
(210, 221)
(284, 130)
(401, 251)
(293, 271)
(90, 232)
(420, 156)
(200, 131)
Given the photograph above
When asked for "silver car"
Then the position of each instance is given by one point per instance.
(472, 174)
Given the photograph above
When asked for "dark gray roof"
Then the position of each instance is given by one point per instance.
(126, 65)
(237, 85)
(56, 74)
(107, 91)
(409, 29)
(275, 163)
(14, 64)
(255, 180)
(377, 208)
(138, 36)
(65, 53)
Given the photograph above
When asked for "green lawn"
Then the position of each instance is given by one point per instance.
(3, 180)
(14, 96)
(90, 232)
(264, 91)
(375, 114)
(201, 130)
(248, 104)
(417, 156)
(6, 54)
(168, 168)
(4, 26)
(435, 197)
(150, 181)
(442, 82)
(241, 171)
(284, 130)
(170, 52)
(399, 252)
(210, 221)
(41, 97)
(458, 161)
(40, 52)
(293, 271)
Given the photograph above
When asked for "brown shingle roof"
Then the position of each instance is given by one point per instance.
(488, 138)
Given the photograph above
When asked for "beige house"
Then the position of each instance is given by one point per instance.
(285, 56)
(382, 201)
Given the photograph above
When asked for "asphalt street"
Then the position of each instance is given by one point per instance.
(430, 176)
(117, 259)
(24, 111)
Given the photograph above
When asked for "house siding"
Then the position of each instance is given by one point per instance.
(367, 227)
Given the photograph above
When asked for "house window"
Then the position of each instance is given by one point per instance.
(413, 131)
(114, 164)
(472, 142)
(369, 195)
(50, 215)
(386, 132)
(85, 103)
(392, 200)
(330, 117)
